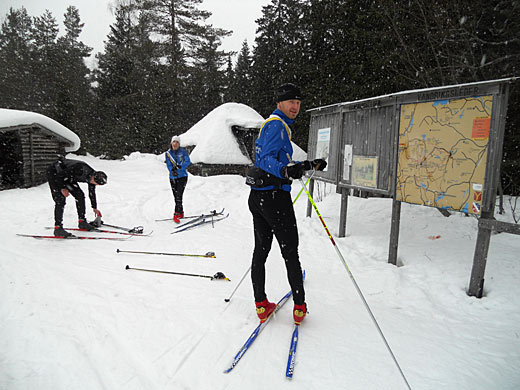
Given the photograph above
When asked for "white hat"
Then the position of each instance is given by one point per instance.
(175, 138)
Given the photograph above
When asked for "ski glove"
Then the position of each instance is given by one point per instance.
(295, 171)
(97, 213)
(319, 164)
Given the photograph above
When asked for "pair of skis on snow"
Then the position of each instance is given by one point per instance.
(202, 219)
(198, 220)
(291, 359)
(136, 231)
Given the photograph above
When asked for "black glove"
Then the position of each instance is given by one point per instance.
(174, 171)
(319, 164)
(295, 171)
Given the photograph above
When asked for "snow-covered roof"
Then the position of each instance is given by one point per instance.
(212, 136)
(14, 118)
(509, 79)
(214, 140)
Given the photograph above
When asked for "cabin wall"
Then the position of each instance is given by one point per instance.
(28, 152)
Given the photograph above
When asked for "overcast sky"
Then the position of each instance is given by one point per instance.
(236, 15)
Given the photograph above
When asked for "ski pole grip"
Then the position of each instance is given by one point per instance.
(127, 267)
(117, 250)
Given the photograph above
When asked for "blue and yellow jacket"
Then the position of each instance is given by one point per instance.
(181, 159)
(272, 146)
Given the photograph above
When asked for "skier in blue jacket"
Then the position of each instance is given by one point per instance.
(270, 201)
(177, 160)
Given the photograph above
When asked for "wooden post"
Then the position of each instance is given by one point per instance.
(394, 232)
(495, 146)
(476, 282)
(343, 212)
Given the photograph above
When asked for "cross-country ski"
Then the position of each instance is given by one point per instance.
(72, 237)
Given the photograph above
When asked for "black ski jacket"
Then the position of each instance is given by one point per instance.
(65, 174)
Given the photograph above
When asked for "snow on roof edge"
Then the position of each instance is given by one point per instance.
(413, 91)
(11, 118)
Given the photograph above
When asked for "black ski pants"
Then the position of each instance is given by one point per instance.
(273, 215)
(178, 186)
(60, 200)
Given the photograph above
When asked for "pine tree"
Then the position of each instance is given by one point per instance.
(278, 56)
(15, 60)
(229, 79)
(74, 99)
(119, 91)
(240, 90)
(45, 64)
(207, 77)
(185, 40)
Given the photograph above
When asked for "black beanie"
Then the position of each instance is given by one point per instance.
(288, 91)
(100, 177)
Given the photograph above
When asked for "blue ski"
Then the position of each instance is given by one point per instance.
(292, 353)
(257, 331)
(255, 334)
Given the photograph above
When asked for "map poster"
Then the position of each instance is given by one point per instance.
(442, 156)
(364, 171)
(322, 144)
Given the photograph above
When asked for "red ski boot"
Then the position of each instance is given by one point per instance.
(264, 309)
(299, 313)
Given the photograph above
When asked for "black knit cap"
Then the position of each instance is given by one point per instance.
(100, 178)
(288, 91)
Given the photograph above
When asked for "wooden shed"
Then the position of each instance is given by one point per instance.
(29, 143)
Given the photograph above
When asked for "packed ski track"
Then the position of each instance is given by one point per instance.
(72, 316)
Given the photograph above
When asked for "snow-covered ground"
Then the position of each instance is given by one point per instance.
(72, 317)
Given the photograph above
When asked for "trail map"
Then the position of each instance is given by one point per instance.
(443, 148)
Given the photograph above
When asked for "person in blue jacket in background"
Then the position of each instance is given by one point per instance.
(270, 201)
(177, 160)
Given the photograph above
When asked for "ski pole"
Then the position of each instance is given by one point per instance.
(353, 279)
(239, 283)
(218, 275)
(207, 254)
